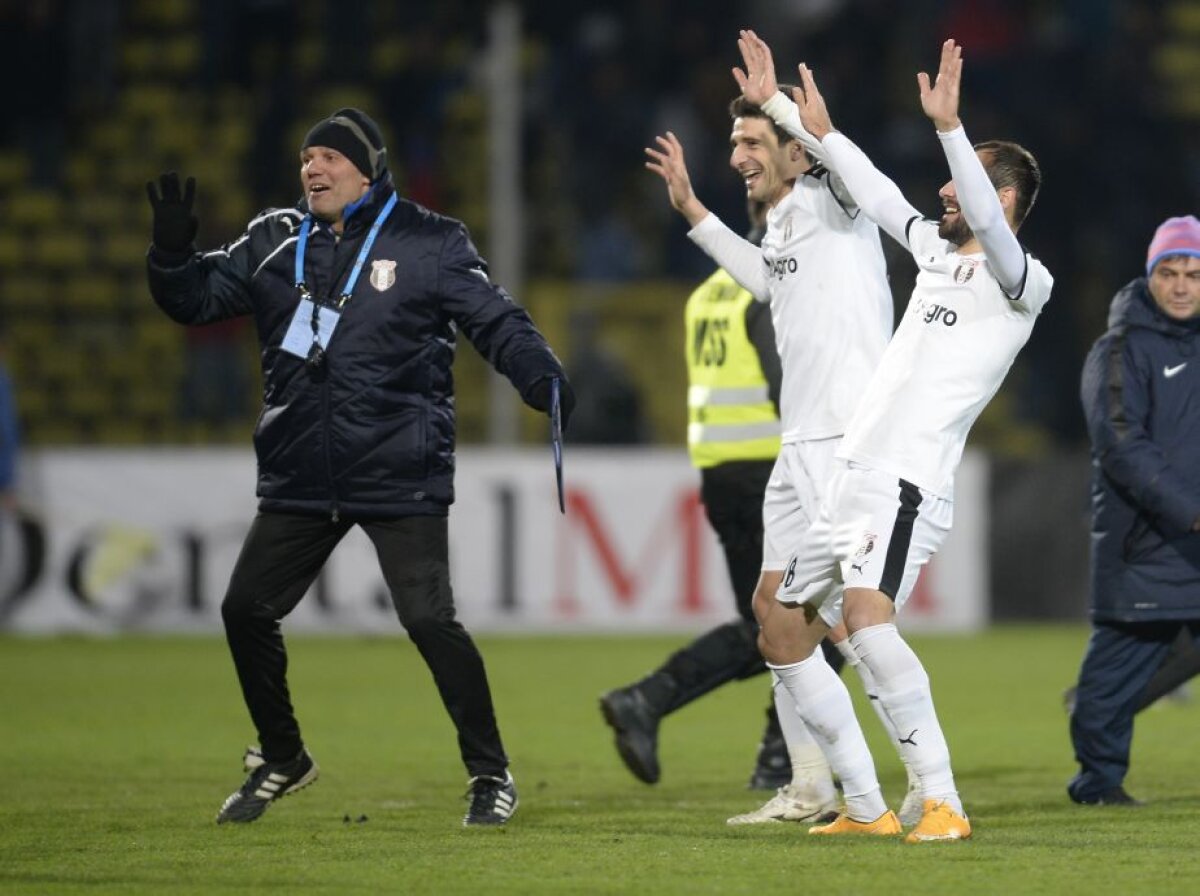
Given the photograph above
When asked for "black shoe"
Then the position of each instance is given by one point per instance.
(765, 778)
(772, 767)
(493, 800)
(1115, 796)
(268, 782)
(636, 727)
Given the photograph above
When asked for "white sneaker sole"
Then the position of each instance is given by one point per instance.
(807, 815)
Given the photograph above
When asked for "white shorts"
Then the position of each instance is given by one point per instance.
(873, 531)
(797, 486)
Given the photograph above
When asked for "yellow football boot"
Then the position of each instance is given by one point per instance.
(886, 825)
(940, 822)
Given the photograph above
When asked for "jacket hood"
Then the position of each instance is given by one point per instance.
(1133, 306)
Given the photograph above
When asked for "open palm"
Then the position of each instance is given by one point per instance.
(939, 100)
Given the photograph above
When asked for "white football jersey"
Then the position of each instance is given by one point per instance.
(821, 267)
(956, 342)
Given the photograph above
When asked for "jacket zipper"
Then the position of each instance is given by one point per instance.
(326, 414)
(327, 419)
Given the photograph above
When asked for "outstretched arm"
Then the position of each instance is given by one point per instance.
(668, 163)
(977, 196)
(875, 193)
(741, 258)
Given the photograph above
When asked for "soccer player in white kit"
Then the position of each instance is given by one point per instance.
(821, 268)
(889, 506)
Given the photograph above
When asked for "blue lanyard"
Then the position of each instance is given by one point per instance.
(348, 289)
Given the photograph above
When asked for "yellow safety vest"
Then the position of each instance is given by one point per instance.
(730, 413)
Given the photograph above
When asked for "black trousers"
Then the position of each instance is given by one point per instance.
(280, 559)
(732, 494)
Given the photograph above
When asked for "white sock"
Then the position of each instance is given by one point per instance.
(906, 699)
(872, 691)
(824, 704)
(811, 778)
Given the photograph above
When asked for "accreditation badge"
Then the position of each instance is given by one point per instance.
(311, 323)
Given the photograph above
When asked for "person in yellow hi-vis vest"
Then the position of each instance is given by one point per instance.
(734, 378)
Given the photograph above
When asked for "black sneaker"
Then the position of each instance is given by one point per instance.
(268, 782)
(493, 800)
(772, 767)
(1117, 797)
(1114, 796)
(636, 727)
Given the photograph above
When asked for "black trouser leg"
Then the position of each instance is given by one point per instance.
(414, 557)
(720, 655)
(280, 558)
(732, 497)
(732, 494)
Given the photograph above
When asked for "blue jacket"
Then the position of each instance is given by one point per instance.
(371, 433)
(1141, 397)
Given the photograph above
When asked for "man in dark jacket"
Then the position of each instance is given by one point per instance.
(357, 296)
(1140, 386)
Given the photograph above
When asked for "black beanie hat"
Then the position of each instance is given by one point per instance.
(352, 133)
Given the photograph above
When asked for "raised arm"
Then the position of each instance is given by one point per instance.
(741, 258)
(874, 192)
(977, 196)
(759, 86)
(668, 163)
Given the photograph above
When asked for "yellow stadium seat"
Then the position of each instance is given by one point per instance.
(14, 170)
(162, 13)
(91, 291)
(12, 251)
(27, 289)
(59, 251)
(34, 209)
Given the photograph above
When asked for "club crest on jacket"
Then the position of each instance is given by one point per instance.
(383, 274)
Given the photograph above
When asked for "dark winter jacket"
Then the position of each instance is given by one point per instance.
(371, 432)
(1141, 397)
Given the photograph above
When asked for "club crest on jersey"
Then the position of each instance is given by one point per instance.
(383, 274)
(866, 546)
(965, 270)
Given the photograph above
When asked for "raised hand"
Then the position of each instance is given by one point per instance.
(667, 162)
(757, 83)
(813, 114)
(940, 101)
(174, 224)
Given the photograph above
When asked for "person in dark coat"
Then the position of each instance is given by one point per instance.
(1141, 397)
(357, 295)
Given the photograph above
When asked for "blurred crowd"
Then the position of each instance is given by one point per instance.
(1102, 91)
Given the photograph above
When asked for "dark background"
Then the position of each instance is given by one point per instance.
(103, 95)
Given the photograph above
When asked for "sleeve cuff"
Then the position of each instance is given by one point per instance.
(959, 133)
(709, 224)
(168, 260)
(777, 105)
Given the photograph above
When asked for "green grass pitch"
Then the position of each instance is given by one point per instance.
(115, 755)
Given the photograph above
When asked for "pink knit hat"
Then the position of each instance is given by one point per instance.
(1175, 236)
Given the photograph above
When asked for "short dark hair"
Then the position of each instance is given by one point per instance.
(740, 107)
(1009, 164)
